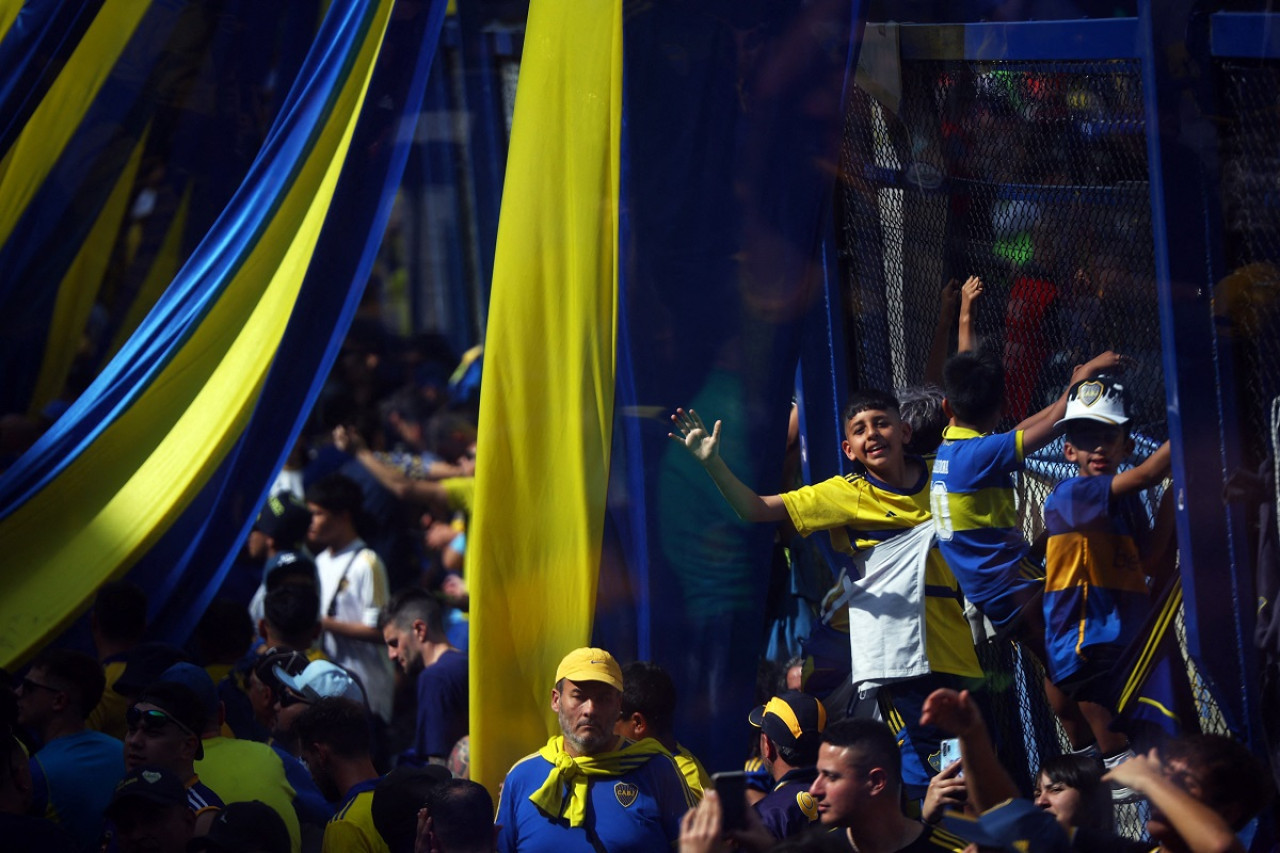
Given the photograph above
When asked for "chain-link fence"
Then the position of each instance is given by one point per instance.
(1248, 302)
(1033, 177)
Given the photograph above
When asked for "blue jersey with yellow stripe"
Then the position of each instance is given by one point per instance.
(977, 521)
(1095, 590)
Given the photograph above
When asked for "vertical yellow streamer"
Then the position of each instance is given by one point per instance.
(79, 288)
(547, 404)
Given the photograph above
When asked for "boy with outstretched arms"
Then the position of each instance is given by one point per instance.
(1096, 597)
(971, 496)
(860, 511)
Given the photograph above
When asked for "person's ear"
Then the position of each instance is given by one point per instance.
(947, 410)
(555, 700)
(906, 433)
(848, 450)
(419, 629)
(1069, 452)
(878, 778)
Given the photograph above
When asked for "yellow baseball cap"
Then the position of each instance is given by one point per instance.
(589, 664)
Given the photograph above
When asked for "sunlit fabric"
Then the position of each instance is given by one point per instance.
(171, 420)
(547, 401)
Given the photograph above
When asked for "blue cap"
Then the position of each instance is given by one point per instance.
(200, 682)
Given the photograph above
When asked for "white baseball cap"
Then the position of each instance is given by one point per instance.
(1100, 399)
(320, 679)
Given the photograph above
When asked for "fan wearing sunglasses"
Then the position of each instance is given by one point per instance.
(76, 768)
(165, 722)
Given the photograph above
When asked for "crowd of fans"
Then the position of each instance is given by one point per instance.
(323, 701)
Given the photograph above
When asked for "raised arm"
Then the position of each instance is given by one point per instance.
(1038, 430)
(985, 778)
(1201, 828)
(969, 294)
(1152, 471)
(690, 431)
(391, 478)
(942, 333)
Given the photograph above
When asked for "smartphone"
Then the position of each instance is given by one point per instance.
(950, 753)
(731, 787)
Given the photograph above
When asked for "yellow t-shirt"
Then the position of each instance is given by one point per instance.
(858, 512)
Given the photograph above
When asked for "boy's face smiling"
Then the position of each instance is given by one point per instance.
(1096, 448)
(875, 437)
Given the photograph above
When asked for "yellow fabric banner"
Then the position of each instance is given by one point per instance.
(547, 400)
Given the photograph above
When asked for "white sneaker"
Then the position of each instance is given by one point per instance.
(1119, 793)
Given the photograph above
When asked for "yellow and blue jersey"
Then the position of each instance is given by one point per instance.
(859, 511)
(351, 830)
(1095, 591)
(977, 520)
(638, 810)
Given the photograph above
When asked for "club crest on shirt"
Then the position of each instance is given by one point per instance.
(808, 805)
(626, 793)
(1089, 392)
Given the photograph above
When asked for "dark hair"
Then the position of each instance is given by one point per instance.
(292, 611)
(396, 800)
(225, 631)
(1083, 773)
(462, 815)
(338, 723)
(411, 604)
(647, 688)
(1229, 773)
(872, 739)
(337, 493)
(921, 407)
(120, 608)
(974, 383)
(82, 676)
(868, 399)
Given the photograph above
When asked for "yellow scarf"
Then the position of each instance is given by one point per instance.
(575, 773)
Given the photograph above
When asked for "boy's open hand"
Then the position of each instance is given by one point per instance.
(692, 433)
(971, 290)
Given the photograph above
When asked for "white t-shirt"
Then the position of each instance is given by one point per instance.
(358, 579)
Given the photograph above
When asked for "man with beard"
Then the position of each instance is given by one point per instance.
(334, 734)
(589, 789)
(413, 629)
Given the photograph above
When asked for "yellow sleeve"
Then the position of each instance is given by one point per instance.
(831, 503)
(460, 492)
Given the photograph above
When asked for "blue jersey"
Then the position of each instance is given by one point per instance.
(638, 811)
(977, 521)
(442, 706)
(789, 808)
(1095, 590)
(73, 778)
